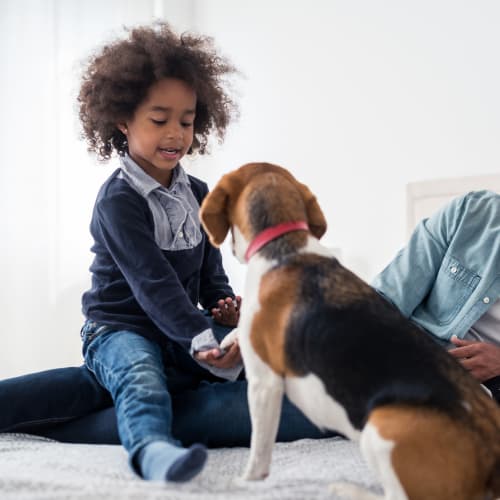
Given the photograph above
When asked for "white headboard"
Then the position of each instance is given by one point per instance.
(425, 197)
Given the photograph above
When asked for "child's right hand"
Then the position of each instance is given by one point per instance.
(227, 311)
(214, 357)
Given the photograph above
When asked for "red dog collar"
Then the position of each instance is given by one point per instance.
(271, 233)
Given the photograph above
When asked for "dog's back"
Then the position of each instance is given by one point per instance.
(384, 371)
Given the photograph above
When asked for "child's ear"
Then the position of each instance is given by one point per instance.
(213, 215)
(122, 127)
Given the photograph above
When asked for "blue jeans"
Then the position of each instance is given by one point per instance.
(69, 405)
(131, 368)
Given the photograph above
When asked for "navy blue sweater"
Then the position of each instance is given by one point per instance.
(138, 286)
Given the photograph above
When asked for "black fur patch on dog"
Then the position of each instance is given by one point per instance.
(365, 352)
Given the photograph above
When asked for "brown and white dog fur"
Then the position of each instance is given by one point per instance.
(311, 329)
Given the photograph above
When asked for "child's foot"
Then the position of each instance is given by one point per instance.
(162, 461)
(188, 465)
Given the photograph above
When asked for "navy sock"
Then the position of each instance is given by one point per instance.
(162, 461)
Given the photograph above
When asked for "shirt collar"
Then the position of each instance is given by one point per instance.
(179, 177)
(143, 182)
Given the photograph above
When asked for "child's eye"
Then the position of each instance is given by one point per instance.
(158, 122)
(187, 124)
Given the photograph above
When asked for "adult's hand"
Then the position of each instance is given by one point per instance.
(482, 359)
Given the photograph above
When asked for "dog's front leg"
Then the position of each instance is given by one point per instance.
(265, 395)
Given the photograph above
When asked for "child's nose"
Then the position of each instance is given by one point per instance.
(174, 132)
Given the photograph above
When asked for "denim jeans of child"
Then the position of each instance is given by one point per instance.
(131, 368)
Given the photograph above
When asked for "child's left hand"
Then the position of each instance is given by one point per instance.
(214, 357)
(228, 311)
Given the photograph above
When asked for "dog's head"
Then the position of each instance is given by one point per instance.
(254, 197)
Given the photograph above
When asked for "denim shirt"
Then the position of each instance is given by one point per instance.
(448, 275)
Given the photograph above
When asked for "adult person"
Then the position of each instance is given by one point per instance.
(447, 280)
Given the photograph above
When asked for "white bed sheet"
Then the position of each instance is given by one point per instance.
(36, 468)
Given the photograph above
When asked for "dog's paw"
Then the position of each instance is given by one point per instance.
(239, 482)
(229, 339)
(255, 474)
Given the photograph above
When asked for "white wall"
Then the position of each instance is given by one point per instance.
(48, 181)
(356, 97)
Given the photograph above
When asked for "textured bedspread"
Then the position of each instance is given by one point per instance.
(37, 468)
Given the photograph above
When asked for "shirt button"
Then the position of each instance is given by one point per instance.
(454, 270)
(486, 300)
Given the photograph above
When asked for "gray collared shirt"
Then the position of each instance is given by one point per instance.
(487, 327)
(174, 209)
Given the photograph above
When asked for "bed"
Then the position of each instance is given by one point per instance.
(37, 468)
(425, 197)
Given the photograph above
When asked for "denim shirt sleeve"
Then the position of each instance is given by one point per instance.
(448, 274)
(407, 280)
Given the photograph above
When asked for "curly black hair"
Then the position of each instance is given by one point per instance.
(118, 78)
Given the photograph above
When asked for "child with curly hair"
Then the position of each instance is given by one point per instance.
(153, 98)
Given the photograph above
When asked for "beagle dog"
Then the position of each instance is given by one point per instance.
(311, 329)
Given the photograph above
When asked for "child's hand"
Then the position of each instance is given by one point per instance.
(214, 357)
(228, 311)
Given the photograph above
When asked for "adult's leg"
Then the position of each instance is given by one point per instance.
(69, 405)
(215, 414)
(99, 427)
(34, 402)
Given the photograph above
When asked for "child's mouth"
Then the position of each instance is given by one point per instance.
(169, 153)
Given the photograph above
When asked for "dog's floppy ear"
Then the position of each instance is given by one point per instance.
(315, 217)
(213, 215)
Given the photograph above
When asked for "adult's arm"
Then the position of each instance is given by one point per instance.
(409, 277)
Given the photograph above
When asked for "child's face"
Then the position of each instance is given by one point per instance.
(161, 130)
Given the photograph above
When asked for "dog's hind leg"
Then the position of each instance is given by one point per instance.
(265, 395)
(424, 454)
(377, 453)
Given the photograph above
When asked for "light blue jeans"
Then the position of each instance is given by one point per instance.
(131, 367)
